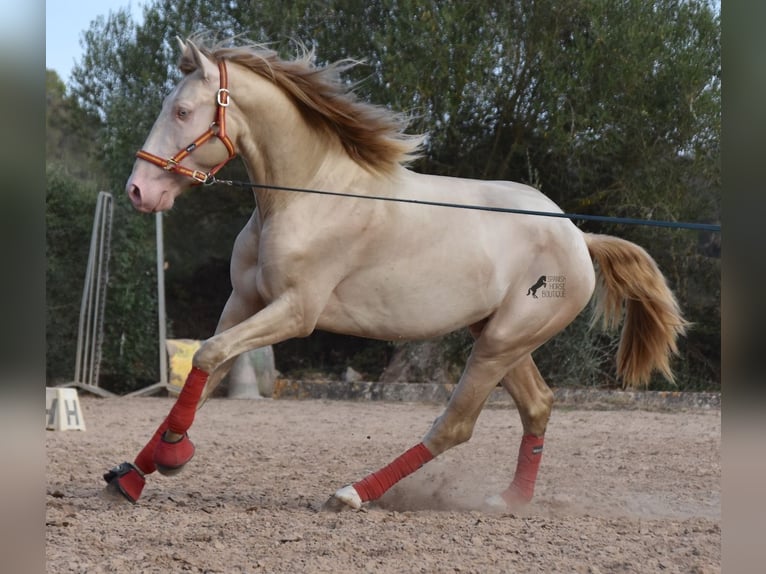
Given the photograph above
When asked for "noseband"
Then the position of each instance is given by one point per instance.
(216, 129)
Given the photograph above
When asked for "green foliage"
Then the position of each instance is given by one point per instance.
(68, 143)
(609, 107)
(74, 178)
(330, 354)
(131, 348)
(68, 219)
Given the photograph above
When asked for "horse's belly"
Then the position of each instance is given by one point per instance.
(398, 308)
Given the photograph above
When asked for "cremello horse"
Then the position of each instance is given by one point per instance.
(380, 269)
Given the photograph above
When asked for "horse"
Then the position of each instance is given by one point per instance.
(379, 269)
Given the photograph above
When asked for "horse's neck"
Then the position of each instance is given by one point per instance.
(280, 148)
(277, 146)
(332, 170)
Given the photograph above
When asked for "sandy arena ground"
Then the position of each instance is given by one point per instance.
(619, 491)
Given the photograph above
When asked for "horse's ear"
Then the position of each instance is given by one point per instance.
(192, 59)
(181, 44)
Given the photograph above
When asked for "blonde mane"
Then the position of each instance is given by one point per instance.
(373, 136)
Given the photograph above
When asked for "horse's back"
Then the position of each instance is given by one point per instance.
(512, 242)
(463, 191)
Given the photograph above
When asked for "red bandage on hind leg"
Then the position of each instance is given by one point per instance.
(522, 488)
(181, 415)
(144, 461)
(376, 484)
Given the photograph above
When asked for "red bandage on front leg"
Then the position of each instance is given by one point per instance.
(181, 415)
(376, 484)
(522, 488)
(145, 459)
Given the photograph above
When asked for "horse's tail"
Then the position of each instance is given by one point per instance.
(628, 277)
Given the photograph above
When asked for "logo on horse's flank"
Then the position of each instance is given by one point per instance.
(539, 283)
(549, 286)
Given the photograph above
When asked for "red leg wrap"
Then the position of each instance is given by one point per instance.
(145, 459)
(522, 488)
(158, 453)
(170, 457)
(181, 415)
(376, 484)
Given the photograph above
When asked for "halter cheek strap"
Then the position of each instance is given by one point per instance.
(216, 129)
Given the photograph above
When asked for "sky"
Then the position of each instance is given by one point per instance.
(65, 22)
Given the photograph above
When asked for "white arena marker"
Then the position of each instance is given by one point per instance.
(62, 409)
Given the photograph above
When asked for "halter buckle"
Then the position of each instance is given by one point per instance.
(170, 165)
(200, 176)
(222, 97)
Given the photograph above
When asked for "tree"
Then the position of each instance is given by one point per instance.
(69, 144)
(75, 175)
(68, 219)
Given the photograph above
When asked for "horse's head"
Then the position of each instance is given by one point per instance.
(188, 142)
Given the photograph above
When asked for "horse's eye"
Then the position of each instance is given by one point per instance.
(182, 113)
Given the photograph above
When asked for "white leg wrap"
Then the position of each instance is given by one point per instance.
(349, 496)
(495, 502)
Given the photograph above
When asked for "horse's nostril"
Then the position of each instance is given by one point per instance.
(134, 192)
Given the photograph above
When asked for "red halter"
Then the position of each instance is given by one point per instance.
(216, 129)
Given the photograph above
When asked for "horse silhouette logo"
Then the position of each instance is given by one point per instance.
(533, 289)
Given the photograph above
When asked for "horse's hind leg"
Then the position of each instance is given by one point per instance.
(534, 400)
(454, 426)
(502, 352)
(494, 353)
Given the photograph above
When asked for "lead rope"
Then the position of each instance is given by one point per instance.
(573, 216)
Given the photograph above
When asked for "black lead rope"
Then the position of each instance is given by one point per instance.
(574, 216)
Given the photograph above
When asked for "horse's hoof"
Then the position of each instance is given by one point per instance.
(125, 480)
(507, 501)
(344, 498)
(170, 457)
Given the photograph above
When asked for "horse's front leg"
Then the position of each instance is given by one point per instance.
(129, 479)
